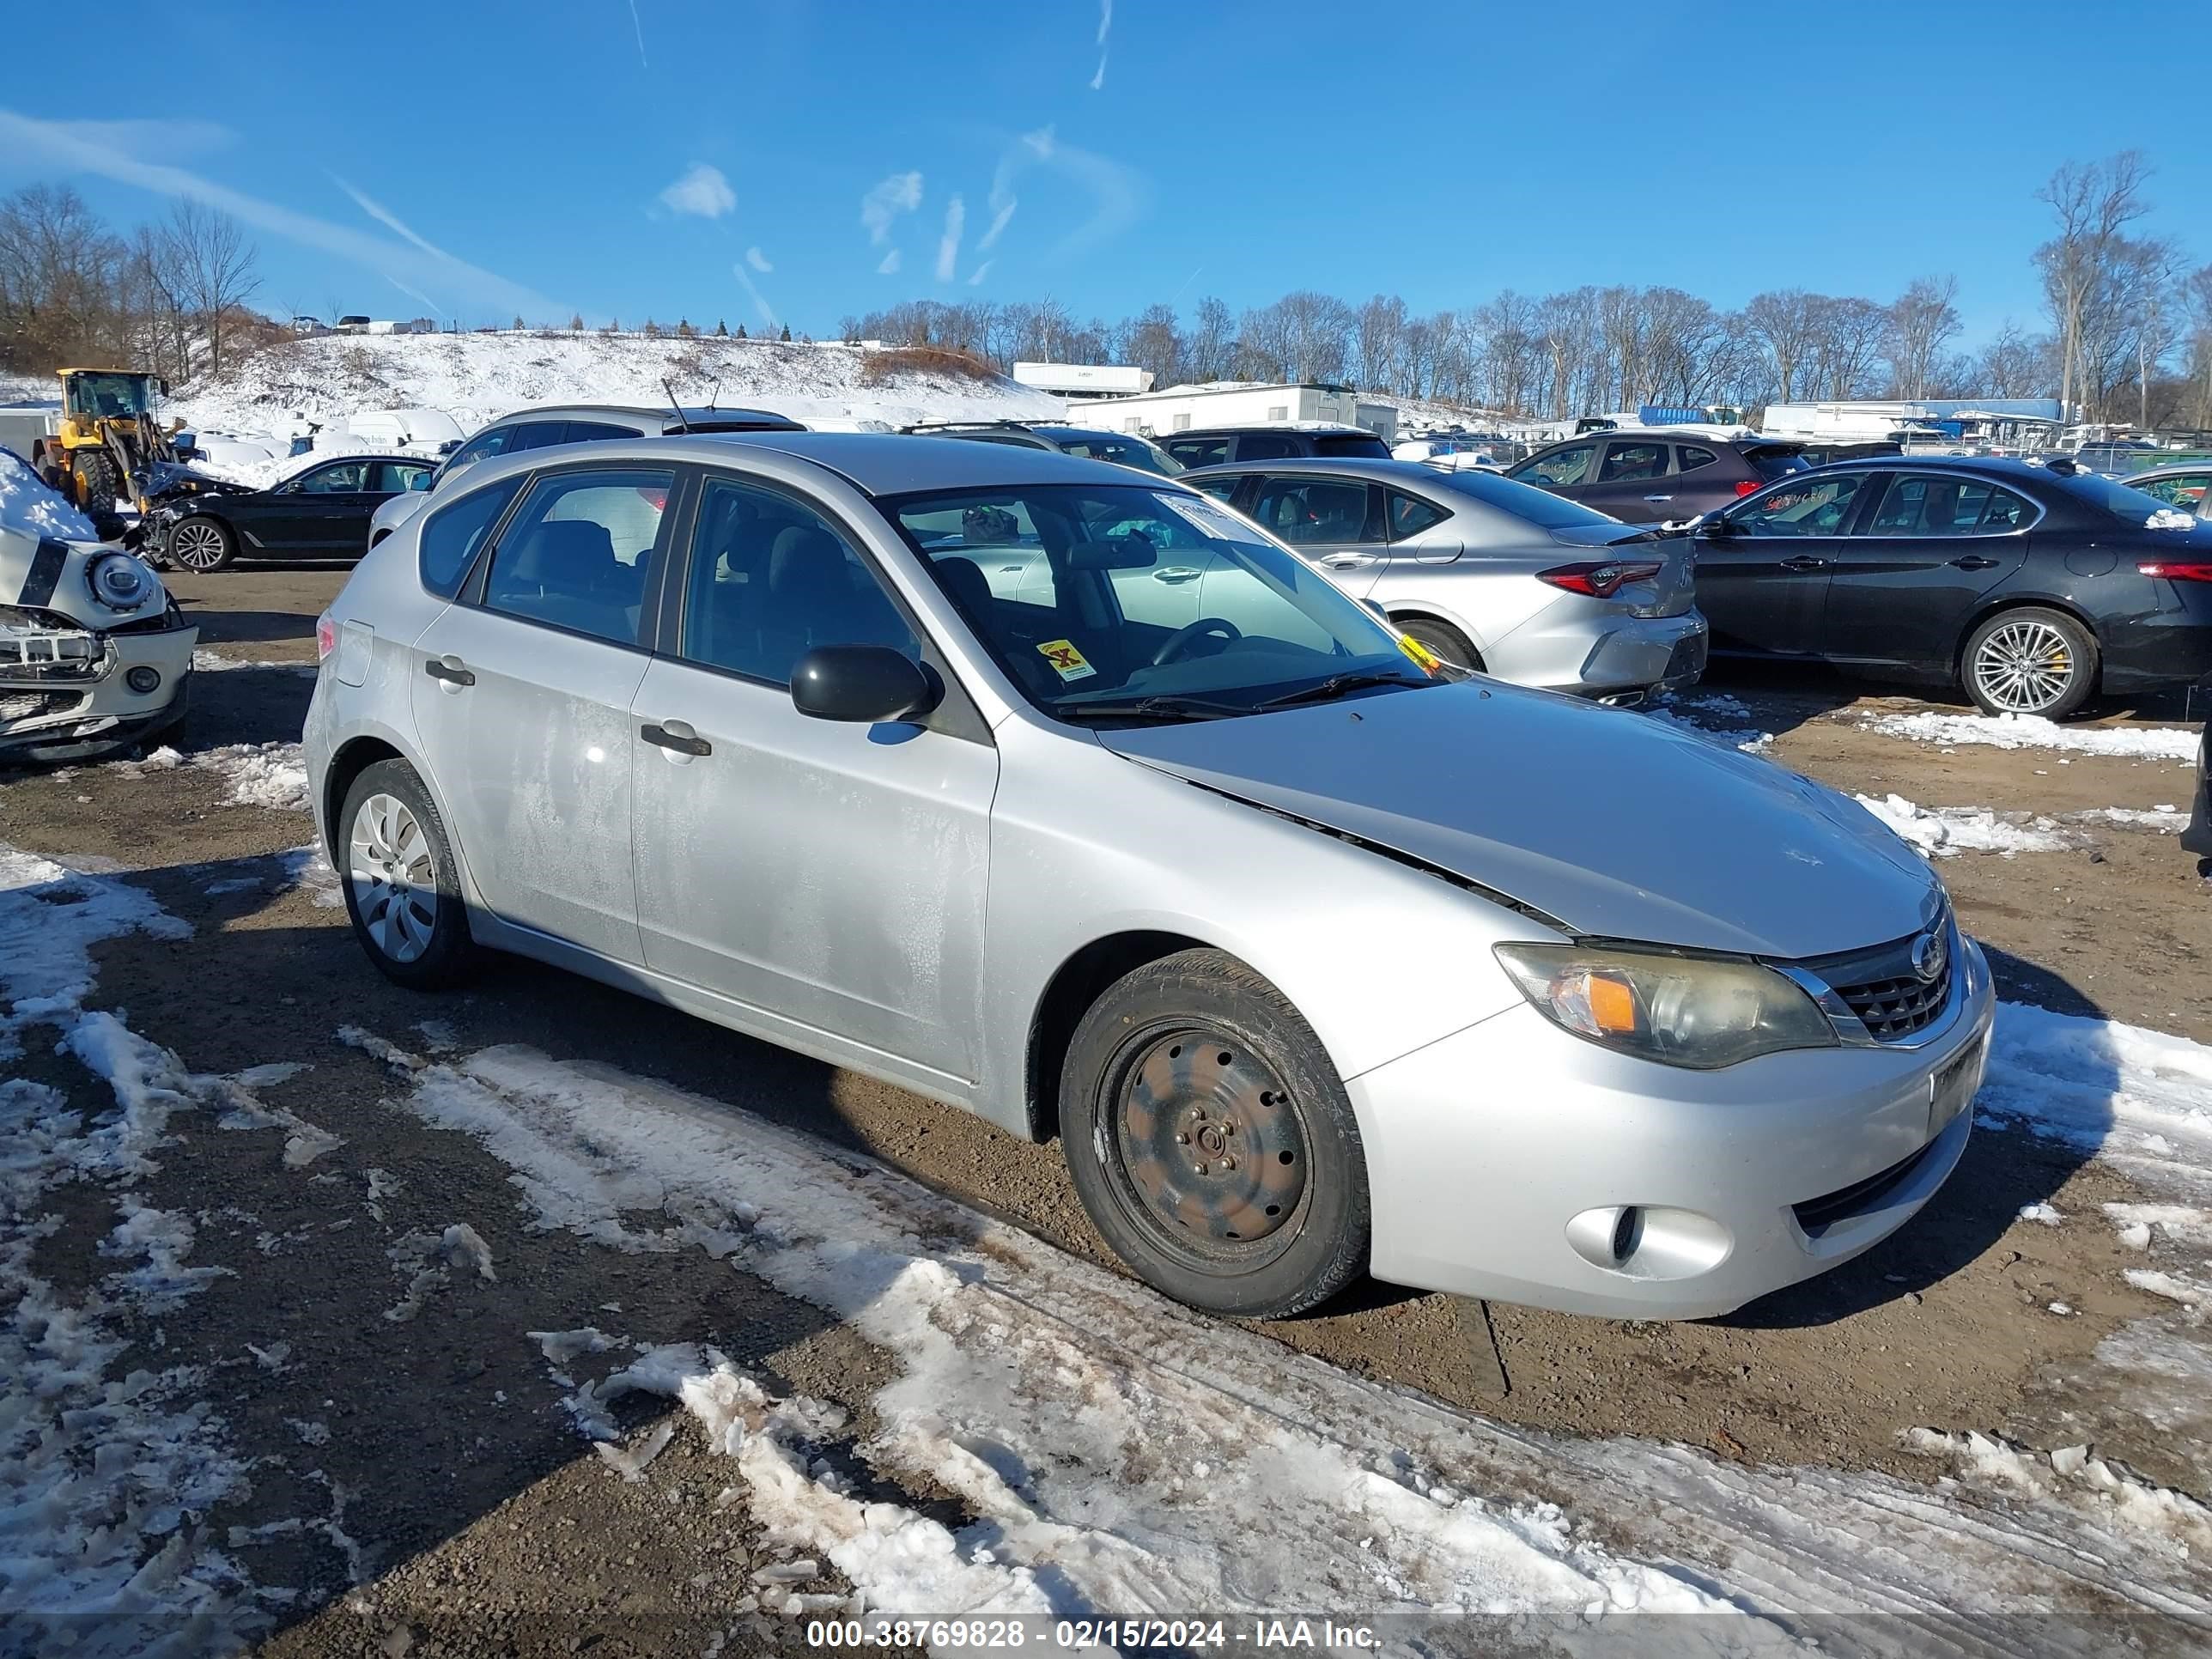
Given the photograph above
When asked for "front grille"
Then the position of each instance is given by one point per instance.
(1817, 1215)
(1886, 991)
(17, 706)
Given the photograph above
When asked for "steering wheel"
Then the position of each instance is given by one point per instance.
(1181, 641)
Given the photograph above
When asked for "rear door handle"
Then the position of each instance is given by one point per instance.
(1975, 561)
(449, 671)
(1346, 560)
(1658, 498)
(676, 735)
(1177, 573)
(1804, 561)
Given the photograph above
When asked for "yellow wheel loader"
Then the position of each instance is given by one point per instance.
(107, 441)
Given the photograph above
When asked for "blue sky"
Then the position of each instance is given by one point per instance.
(713, 160)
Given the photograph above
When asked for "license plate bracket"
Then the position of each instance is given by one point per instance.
(1953, 1087)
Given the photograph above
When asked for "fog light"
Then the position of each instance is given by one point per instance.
(143, 679)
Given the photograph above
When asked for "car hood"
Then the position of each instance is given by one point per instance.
(1614, 823)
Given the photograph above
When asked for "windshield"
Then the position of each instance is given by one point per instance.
(1526, 502)
(109, 397)
(1130, 450)
(1096, 599)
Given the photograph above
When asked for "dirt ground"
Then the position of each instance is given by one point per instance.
(482, 1528)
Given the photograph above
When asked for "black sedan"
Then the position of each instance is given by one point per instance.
(2034, 586)
(321, 513)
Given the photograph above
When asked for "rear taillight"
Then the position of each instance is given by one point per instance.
(2175, 570)
(1600, 581)
(326, 637)
(1745, 486)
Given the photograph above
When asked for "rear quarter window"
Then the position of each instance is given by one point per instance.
(1366, 446)
(452, 536)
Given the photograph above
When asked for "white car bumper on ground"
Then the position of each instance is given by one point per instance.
(1688, 1194)
(70, 693)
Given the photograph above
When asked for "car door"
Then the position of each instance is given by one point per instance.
(522, 692)
(1336, 522)
(1631, 482)
(1762, 567)
(332, 507)
(830, 875)
(1902, 588)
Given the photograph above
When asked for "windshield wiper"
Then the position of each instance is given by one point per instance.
(1337, 684)
(1154, 707)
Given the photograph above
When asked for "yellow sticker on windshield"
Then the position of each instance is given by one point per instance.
(1428, 661)
(1066, 661)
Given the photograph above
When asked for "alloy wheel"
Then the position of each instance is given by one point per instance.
(394, 878)
(197, 546)
(2025, 667)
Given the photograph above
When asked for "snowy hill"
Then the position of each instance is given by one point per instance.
(477, 377)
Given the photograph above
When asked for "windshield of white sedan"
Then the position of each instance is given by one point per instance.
(1108, 604)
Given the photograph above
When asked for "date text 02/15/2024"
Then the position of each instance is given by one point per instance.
(1092, 1635)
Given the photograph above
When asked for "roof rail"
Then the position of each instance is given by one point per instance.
(942, 426)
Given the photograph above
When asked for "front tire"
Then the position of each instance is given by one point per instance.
(401, 884)
(201, 543)
(1212, 1142)
(1442, 640)
(2030, 661)
(95, 482)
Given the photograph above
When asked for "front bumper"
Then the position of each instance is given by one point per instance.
(1501, 1158)
(45, 719)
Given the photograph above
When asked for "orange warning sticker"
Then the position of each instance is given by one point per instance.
(1066, 661)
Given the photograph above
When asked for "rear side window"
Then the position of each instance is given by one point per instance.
(1265, 446)
(1221, 488)
(1410, 516)
(1314, 512)
(1363, 447)
(579, 550)
(1688, 458)
(1197, 452)
(453, 535)
(1625, 463)
(536, 434)
(583, 432)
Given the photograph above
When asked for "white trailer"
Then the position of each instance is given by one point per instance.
(1246, 402)
(22, 424)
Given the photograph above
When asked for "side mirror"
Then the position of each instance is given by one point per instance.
(1382, 615)
(418, 480)
(863, 684)
(1719, 528)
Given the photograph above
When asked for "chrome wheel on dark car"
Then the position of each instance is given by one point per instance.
(200, 544)
(2031, 662)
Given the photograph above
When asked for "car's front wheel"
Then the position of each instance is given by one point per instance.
(2030, 661)
(1212, 1142)
(402, 889)
(1442, 640)
(201, 545)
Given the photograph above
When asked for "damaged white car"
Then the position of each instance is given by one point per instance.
(94, 654)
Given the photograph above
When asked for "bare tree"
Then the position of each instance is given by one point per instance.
(2094, 202)
(1784, 321)
(212, 266)
(1922, 322)
(2016, 364)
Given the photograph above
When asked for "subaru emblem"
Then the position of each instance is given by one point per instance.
(1929, 955)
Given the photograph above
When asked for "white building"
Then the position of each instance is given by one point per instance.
(1083, 382)
(1242, 403)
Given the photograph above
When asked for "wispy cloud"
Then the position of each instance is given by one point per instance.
(759, 260)
(702, 192)
(977, 276)
(417, 295)
(948, 245)
(752, 292)
(638, 28)
(890, 265)
(900, 193)
(1105, 29)
(1118, 194)
(385, 216)
(64, 145)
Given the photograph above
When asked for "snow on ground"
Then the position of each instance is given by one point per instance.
(1946, 831)
(2031, 732)
(273, 774)
(28, 505)
(1100, 1435)
(209, 662)
(476, 377)
(1713, 715)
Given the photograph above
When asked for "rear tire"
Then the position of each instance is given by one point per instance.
(2030, 661)
(95, 482)
(402, 886)
(1442, 640)
(201, 543)
(1212, 1142)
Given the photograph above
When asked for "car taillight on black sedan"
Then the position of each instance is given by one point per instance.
(1600, 579)
(2178, 570)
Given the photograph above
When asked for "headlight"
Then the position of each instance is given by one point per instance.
(1702, 1012)
(119, 581)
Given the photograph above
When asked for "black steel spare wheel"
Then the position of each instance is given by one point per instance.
(1212, 1142)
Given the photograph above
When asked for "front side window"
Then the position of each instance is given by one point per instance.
(1410, 516)
(1314, 512)
(771, 579)
(580, 549)
(1265, 446)
(493, 440)
(1266, 626)
(346, 478)
(1819, 507)
(1560, 468)
(1221, 488)
(1197, 452)
(1124, 452)
(453, 535)
(1626, 463)
(396, 477)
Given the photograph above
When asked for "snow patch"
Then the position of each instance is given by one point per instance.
(2032, 731)
(27, 507)
(1946, 831)
(271, 775)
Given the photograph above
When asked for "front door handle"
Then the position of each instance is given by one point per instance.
(1804, 561)
(1975, 561)
(1177, 573)
(1658, 498)
(677, 737)
(1346, 560)
(449, 673)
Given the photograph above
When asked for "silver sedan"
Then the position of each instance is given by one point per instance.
(1313, 960)
(1486, 572)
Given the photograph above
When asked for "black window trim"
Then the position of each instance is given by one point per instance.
(956, 714)
(470, 595)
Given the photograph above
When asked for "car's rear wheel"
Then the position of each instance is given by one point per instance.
(2030, 660)
(402, 888)
(1442, 640)
(201, 545)
(1212, 1142)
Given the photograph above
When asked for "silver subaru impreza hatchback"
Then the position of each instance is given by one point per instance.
(1317, 957)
